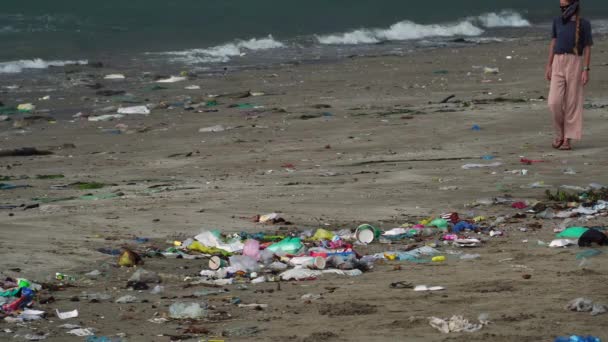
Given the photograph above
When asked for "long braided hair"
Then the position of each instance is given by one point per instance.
(578, 31)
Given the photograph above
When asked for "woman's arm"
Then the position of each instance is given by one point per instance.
(549, 68)
(586, 64)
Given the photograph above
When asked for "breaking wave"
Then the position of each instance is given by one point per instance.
(405, 30)
(223, 53)
(503, 19)
(409, 30)
(14, 67)
(600, 26)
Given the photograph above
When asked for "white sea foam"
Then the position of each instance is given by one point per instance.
(223, 53)
(405, 30)
(14, 67)
(600, 26)
(503, 19)
(408, 30)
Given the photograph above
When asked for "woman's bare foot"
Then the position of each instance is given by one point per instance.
(558, 142)
(566, 145)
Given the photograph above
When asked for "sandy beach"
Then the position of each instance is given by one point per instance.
(327, 145)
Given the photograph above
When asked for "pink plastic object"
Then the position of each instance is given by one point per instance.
(252, 249)
(336, 243)
(450, 237)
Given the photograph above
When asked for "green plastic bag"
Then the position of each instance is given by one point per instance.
(572, 233)
(287, 245)
(10, 293)
(439, 223)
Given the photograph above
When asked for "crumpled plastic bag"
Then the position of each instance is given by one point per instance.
(134, 110)
(299, 274)
(454, 324)
(580, 304)
(322, 234)
(305, 273)
(244, 263)
(586, 305)
(286, 246)
(598, 309)
(212, 239)
(199, 247)
(562, 243)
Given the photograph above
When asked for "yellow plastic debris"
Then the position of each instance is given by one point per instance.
(390, 256)
(199, 247)
(479, 219)
(26, 107)
(425, 222)
(129, 259)
(322, 234)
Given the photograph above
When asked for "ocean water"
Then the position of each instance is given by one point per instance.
(36, 34)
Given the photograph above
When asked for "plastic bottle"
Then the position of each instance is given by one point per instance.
(469, 256)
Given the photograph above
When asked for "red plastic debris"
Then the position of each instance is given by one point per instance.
(519, 205)
(530, 161)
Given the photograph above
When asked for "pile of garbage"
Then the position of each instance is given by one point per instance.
(260, 257)
(306, 255)
(309, 254)
(16, 296)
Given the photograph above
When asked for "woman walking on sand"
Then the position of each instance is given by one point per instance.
(568, 71)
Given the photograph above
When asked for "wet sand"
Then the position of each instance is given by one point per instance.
(332, 145)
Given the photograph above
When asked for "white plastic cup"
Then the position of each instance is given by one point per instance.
(215, 263)
(317, 263)
(366, 233)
